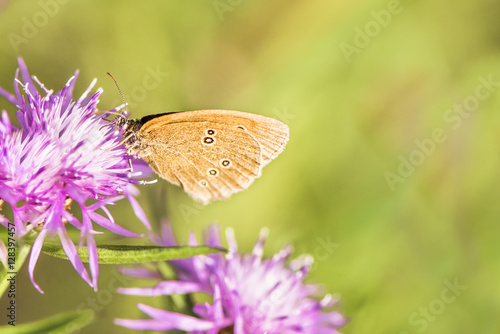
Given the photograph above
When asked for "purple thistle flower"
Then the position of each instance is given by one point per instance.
(62, 155)
(251, 295)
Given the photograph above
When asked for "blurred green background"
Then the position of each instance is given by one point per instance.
(391, 176)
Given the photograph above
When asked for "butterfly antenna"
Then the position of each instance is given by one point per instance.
(119, 91)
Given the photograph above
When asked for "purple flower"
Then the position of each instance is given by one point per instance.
(63, 156)
(251, 295)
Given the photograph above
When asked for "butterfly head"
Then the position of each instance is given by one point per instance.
(131, 127)
(131, 139)
(120, 121)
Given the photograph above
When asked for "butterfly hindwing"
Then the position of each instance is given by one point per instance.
(209, 159)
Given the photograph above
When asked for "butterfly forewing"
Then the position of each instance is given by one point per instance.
(271, 134)
(210, 153)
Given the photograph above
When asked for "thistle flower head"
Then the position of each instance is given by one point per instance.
(62, 156)
(251, 295)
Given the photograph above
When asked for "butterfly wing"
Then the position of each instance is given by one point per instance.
(211, 154)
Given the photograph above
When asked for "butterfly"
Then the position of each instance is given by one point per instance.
(211, 154)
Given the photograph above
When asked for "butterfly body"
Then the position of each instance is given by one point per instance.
(211, 154)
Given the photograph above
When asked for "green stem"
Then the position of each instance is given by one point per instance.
(21, 256)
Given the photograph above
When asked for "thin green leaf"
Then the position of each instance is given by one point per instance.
(63, 323)
(122, 254)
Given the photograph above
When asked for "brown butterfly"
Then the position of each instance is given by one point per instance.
(211, 154)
